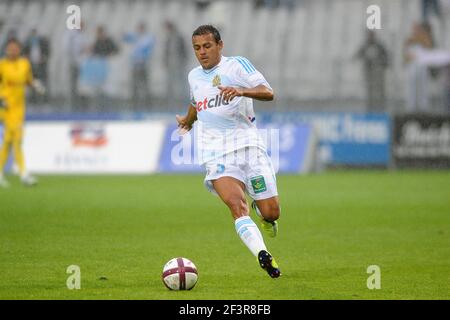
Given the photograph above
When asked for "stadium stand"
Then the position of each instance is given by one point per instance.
(305, 52)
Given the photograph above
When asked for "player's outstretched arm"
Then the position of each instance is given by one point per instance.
(185, 122)
(260, 92)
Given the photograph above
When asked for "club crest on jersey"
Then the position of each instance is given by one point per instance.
(216, 81)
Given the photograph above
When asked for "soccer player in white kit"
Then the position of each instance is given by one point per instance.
(229, 147)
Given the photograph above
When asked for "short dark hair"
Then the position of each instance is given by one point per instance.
(13, 40)
(205, 29)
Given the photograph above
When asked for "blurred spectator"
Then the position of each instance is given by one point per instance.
(76, 45)
(143, 44)
(428, 7)
(273, 4)
(202, 4)
(37, 50)
(175, 56)
(92, 78)
(94, 69)
(417, 85)
(266, 4)
(438, 60)
(375, 59)
(104, 46)
(289, 4)
(12, 33)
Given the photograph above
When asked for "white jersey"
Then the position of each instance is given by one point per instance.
(224, 127)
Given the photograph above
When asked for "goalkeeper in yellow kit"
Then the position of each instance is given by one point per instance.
(15, 75)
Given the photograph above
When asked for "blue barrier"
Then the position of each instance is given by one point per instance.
(345, 138)
(172, 143)
(289, 147)
(295, 147)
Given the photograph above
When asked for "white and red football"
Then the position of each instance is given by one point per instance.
(180, 274)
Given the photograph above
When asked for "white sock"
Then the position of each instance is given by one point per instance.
(250, 234)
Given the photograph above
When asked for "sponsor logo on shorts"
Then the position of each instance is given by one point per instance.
(258, 184)
(220, 168)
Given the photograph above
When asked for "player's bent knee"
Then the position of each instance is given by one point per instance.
(275, 212)
(271, 211)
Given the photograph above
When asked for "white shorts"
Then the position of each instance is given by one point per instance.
(251, 165)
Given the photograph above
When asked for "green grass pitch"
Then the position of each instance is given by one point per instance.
(121, 230)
